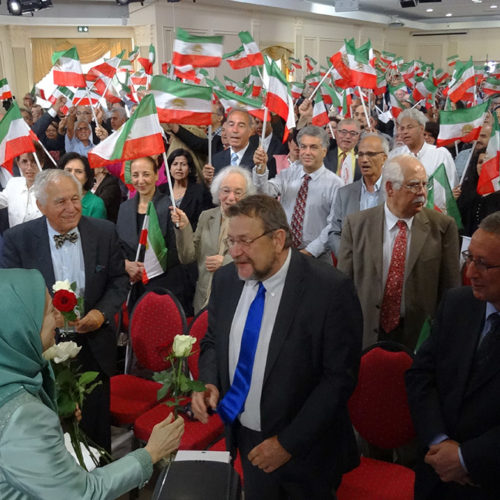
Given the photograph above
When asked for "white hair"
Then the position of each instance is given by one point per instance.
(44, 178)
(222, 174)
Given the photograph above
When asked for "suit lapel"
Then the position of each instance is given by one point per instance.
(89, 249)
(43, 251)
(419, 233)
(213, 229)
(290, 303)
(375, 231)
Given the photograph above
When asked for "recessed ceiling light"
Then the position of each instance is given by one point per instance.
(449, 14)
(429, 10)
(477, 1)
(493, 6)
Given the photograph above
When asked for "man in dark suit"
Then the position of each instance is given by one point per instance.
(291, 423)
(63, 245)
(361, 194)
(400, 255)
(454, 383)
(273, 145)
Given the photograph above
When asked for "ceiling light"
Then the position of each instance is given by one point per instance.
(18, 7)
(429, 10)
(493, 6)
(449, 14)
(477, 1)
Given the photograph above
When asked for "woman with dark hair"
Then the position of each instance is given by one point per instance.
(191, 197)
(474, 207)
(78, 165)
(107, 187)
(144, 174)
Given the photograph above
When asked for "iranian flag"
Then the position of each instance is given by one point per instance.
(424, 91)
(320, 114)
(84, 97)
(296, 89)
(489, 178)
(125, 65)
(310, 63)
(439, 77)
(232, 101)
(108, 68)
(152, 240)
(247, 55)
(387, 57)
(312, 79)
(198, 51)
(147, 62)
(440, 196)
(139, 136)
(139, 78)
(236, 59)
(295, 63)
(67, 69)
(5, 92)
(463, 79)
(256, 81)
(184, 103)
(62, 92)
(452, 60)
(16, 137)
(394, 103)
(491, 86)
(381, 87)
(347, 103)
(230, 85)
(278, 98)
(461, 125)
(329, 95)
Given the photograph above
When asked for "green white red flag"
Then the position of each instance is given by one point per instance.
(440, 195)
(463, 79)
(151, 238)
(310, 63)
(491, 86)
(296, 88)
(320, 113)
(132, 55)
(16, 137)
(230, 84)
(394, 103)
(295, 63)
(256, 81)
(183, 103)
(452, 60)
(67, 71)
(424, 91)
(461, 125)
(147, 62)
(198, 51)
(139, 78)
(62, 92)
(140, 135)
(83, 97)
(107, 69)
(233, 101)
(489, 178)
(5, 92)
(247, 55)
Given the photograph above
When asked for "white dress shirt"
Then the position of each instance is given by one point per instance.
(20, 201)
(250, 417)
(240, 153)
(321, 194)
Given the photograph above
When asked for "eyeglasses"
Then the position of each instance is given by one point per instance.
(352, 133)
(244, 243)
(481, 266)
(416, 187)
(238, 193)
(368, 154)
(83, 129)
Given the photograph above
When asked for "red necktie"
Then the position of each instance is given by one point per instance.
(298, 212)
(391, 303)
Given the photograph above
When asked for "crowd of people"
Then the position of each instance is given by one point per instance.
(304, 250)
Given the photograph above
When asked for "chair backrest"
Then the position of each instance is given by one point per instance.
(197, 329)
(379, 407)
(156, 319)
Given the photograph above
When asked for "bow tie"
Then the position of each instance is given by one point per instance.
(61, 238)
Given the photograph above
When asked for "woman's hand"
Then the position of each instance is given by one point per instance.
(213, 262)
(165, 438)
(179, 217)
(134, 270)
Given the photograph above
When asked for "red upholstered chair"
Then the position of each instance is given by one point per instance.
(379, 412)
(156, 319)
(197, 436)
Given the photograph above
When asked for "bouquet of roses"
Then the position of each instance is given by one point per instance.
(67, 302)
(176, 380)
(71, 389)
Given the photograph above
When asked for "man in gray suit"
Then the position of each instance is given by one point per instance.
(400, 255)
(363, 193)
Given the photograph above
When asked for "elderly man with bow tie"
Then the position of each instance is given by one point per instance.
(63, 245)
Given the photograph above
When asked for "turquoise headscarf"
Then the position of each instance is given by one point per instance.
(22, 305)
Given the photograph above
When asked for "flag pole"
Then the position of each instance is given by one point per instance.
(37, 161)
(468, 161)
(47, 153)
(456, 148)
(361, 94)
(415, 105)
(170, 187)
(330, 69)
(210, 144)
(264, 126)
(331, 128)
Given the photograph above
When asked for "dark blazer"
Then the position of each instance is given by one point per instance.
(199, 144)
(331, 163)
(444, 400)
(27, 246)
(311, 367)
(110, 192)
(276, 147)
(223, 158)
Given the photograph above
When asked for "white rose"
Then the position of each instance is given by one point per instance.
(62, 285)
(61, 352)
(182, 345)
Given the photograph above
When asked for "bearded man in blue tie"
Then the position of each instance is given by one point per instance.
(280, 359)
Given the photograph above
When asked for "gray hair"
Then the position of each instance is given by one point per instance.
(383, 140)
(121, 111)
(250, 120)
(412, 114)
(491, 223)
(84, 122)
(393, 172)
(349, 121)
(44, 178)
(313, 131)
(222, 174)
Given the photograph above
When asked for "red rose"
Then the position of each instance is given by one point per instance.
(64, 301)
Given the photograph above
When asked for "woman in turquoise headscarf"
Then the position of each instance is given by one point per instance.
(34, 462)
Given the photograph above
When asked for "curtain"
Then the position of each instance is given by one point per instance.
(89, 50)
(277, 52)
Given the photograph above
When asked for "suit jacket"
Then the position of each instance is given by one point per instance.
(223, 158)
(110, 192)
(332, 159)
(311, 366)
(431, 268)
(27, 246)
(276, 147)
(197, 246)
(346, 202)
(444, 400)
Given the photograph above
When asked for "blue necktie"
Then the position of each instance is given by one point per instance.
(234, 159)
(234, 401)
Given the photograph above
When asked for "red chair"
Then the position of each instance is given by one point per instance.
(197, 436)
(156, 319)
(379, 412)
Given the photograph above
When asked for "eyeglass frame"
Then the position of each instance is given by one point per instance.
(420, 186)
(352, 133)
(369, 154)
(480, 265)
(243, 243)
